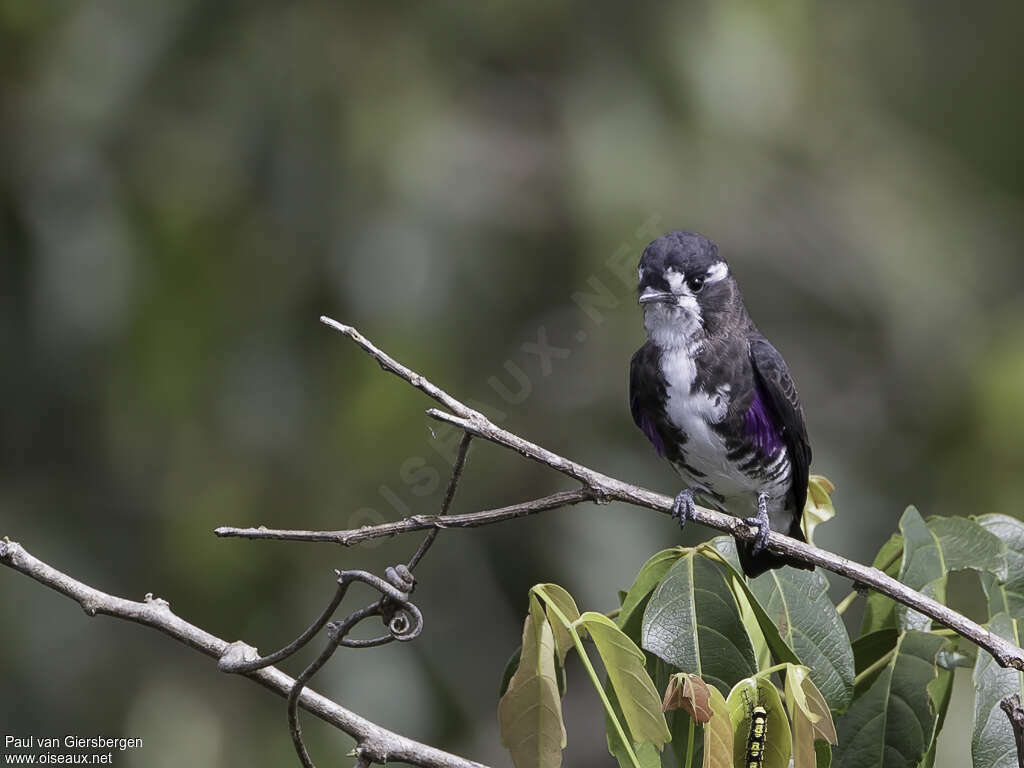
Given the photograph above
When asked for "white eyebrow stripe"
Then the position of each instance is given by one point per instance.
(717, 271)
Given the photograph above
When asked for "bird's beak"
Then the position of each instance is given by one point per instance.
(650, 296)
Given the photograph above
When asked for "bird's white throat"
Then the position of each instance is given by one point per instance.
(674, 326)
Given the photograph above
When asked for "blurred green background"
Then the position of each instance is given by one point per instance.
(185, 187)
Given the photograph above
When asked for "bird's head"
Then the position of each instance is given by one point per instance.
(686, 290)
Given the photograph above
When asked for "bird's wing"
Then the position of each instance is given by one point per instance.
(643, 395)
(777, 387)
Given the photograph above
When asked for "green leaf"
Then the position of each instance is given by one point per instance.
(747, 694)
(554, 604)
(562, 600)
(992, 743)
(891, 724)
(931, 550)
(966, 545)
(810, 715)
(1000, 599)
(651, 573)
(879, 610)
(1010, 531)
(818, 508)
(940, 691)
(647, 755)
(726, 547)
(922, 568)
(634, 690)
(867, 649)
(692, 622)
(530, 712)
(798, 605)
(764, 637)
(823, 752)
(797, 622)
(718, 737)
(1006, 596)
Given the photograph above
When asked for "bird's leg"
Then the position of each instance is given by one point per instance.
(761, 521)
(684, 509)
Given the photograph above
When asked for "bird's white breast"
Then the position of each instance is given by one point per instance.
(694, 411)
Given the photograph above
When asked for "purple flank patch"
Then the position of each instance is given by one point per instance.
(757, 425)
(647, 425)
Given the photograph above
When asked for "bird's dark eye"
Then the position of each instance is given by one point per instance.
(695, 283)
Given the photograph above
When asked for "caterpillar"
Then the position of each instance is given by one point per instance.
(757, 737)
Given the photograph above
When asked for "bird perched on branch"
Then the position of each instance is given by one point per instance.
(716, 399)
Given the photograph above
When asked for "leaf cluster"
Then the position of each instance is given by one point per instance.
(695, 646)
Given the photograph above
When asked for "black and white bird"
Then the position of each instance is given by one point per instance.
(716, 399)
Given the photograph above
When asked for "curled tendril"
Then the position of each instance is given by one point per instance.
(403, 619)
(406, 624)
(401, 578)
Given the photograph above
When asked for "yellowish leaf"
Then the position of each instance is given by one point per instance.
(718, 736)
(566, 606)
(530, 712)
(809, 714)
(818, 507)
(624, 662)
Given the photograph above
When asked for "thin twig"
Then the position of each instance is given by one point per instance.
(606, 488)
(453, 483)
(377, 744)
(416, 522)
(307, 674)
(403, 619)
(391, 365)
(394, 595)
(238, 665)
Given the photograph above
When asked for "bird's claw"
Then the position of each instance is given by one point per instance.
(760, 521)
(684, 509)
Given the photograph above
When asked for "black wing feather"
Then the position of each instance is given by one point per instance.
(646, 393)
(636, 385)
(777, 385)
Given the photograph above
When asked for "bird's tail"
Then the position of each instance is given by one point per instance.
(754, 565)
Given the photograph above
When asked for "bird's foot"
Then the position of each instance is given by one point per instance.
(760, 521)
(684, 508)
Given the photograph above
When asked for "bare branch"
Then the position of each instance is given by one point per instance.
(378, 745)
(605, 488)
(1011, 706)
(374, 743)
(238, 664)
(391, 365)
(417, 522)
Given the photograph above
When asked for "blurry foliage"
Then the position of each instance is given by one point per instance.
(185, 187)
